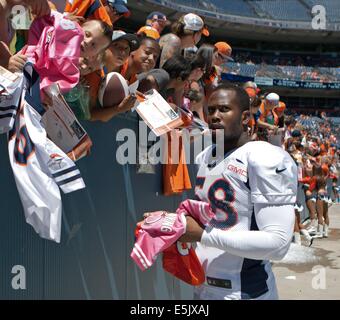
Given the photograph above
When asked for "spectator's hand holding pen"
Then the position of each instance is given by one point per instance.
(129, 101)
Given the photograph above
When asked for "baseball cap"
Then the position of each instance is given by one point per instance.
(273, 97)
(120, 6)
(156, 15)
(129, 37)
(194, 22)
(149, 32)
(161, 76)
(224, 49)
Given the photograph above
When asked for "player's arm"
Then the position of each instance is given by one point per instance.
(275, 223)
(170, 45)
(273, 185)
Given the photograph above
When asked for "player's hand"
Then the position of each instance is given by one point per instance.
(193, 233)
(16, 62)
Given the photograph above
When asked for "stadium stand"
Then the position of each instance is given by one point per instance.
(285, 10)
(286, 59)
(284, 72)
(296, 10)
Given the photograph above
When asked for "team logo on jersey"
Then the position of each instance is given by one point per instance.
(67, 24)
(280, 170)
(56, 162)
(183, 248)
(49, 37)
(153, 218)
(237, 170)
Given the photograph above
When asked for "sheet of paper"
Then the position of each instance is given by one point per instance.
(158, 114)
(62, 126)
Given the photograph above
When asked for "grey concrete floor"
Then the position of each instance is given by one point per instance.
(312, 273)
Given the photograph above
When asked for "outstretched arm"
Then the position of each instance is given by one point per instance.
(271, 241)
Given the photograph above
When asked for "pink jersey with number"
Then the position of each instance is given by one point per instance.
(54, 49)
(162, 229)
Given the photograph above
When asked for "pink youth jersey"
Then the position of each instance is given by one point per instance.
(158, 232)
(162, 229)
(54, 49)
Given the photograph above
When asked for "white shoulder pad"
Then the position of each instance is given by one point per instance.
(272, 174)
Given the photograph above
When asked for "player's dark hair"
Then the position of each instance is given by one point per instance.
(241, 95)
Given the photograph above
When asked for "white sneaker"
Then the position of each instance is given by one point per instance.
(297, 238)
(311, 230)
(330, 202)
(325, 231)
(306, 234)
(319, 234)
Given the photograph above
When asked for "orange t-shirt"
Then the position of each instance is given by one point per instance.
(93, 80)
(93, 9)
(266, 113)
(123, 72)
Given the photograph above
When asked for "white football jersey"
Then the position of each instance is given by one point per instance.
(40, 168)
(10, 93)
(257, 172)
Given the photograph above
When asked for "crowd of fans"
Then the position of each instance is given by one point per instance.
(184, 72)
(321, 68)
(286, 59)
(313, 144)
(315, 74)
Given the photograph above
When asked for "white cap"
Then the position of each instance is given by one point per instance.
(194, 22)
(273, 97)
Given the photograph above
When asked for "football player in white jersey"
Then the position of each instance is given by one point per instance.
(252, 189)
